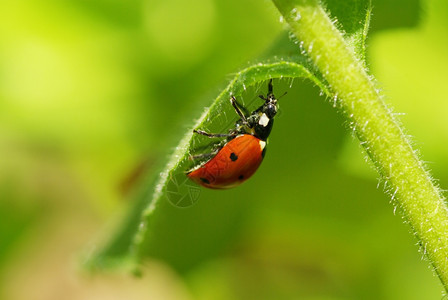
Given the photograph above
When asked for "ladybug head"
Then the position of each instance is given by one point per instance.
(270, 107)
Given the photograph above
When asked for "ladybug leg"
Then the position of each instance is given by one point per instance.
(270, 91)
(203, 155)
(213, 135)
(238, 109)
(270, 88)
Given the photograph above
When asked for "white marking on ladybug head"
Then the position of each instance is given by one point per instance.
(262, 145)
(264, 120)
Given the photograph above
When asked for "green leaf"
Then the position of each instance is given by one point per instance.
(165, 222)
(352, 19)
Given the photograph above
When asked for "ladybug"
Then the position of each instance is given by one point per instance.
(236, 159)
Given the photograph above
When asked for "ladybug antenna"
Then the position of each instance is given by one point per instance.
(270, 92)
(282, 95)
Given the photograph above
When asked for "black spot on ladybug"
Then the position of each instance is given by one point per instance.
(205, 180)
(233, 156)
(263, 153)
(241, 177)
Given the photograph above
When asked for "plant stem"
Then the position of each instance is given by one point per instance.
(408, 182)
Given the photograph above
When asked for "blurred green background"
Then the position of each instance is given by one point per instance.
(92, 91)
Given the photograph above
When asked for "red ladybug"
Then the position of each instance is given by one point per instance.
(238, 157)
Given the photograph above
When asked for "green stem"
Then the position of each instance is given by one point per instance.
(409, 183)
